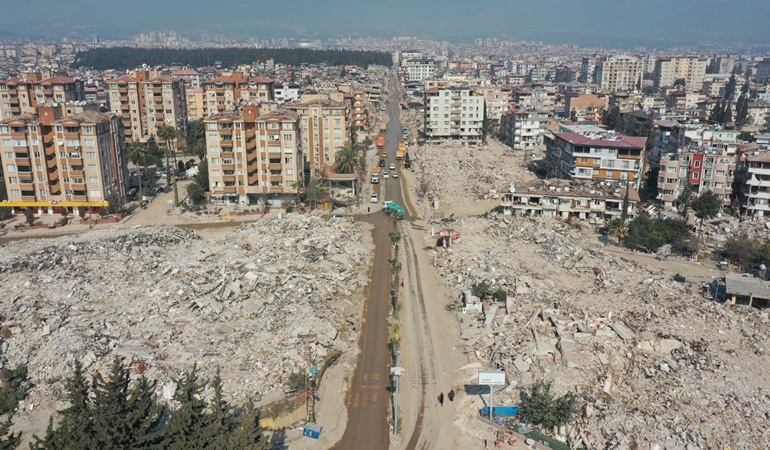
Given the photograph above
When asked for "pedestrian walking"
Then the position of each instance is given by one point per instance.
(485, 443)
(402, 282)
(451, 395)
(441, 398)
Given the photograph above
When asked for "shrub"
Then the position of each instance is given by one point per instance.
(541, 407)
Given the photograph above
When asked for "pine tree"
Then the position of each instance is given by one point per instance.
(730, 88)
(742, 107)
(111, 431)
(716, 112)
(144, 415)
(186, 423)
(247, 433)
(219, 425)
(8, 440)
(76, 428)
(727, 117)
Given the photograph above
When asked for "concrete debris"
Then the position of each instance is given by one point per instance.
(656, 363)
(164, 299)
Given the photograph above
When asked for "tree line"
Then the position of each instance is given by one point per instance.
(116, 411)
(123, 58)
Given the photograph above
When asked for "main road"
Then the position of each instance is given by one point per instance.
(369, 395)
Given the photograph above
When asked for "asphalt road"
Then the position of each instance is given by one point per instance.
(369, 395)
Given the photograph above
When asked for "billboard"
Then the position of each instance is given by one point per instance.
(492, 378)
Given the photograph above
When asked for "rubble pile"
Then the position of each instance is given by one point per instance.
(257, 305)
(459, 174)
(655, 362)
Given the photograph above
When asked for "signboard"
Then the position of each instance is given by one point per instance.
(492, 378)
(312, 430)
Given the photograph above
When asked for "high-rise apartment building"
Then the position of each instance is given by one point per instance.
(691, 70)
(52, 162)
(324, 130)
(23, 95)
(707, 169)
(619, 72)
(145, 104)
(453, 113)
(602, 155)
(253, 157)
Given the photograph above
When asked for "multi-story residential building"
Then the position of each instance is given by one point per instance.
(195, 103)
(165, 104)
(763, 71)
(455, 113)
(253, 157)
(590, 201)
(620, 72)
(359, 112)
(586, 107)
(496, 99)
(23, 95)
(707, 169)
(257, 89)
(600, 156)
(418, 69)
(523, 129)
(52, 162)
(691, 69)
(722, 64)
(146, 104)
(221, 94)
(191, 78)
(755, 193)
(323, 127)
(535, 97)
(286, 93)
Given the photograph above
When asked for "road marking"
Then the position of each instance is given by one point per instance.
(374, 399)
(355, 401)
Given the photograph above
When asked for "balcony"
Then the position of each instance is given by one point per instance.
(253, 179)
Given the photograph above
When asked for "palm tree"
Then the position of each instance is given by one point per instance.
(298, 185)
(346, 158)
(618, 228)
(168, 134)
(137, 154)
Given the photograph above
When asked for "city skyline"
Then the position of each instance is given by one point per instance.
(622, 24)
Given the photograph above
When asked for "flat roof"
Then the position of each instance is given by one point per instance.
(748, 286)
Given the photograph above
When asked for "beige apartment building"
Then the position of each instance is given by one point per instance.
(323, 129)
(145, 104)
(496, 100)
(692, 70)
(52, 162)
(23, 94)
(709, 169)
(225, 93)
(619, 72)
(253, 157)
(453, 113)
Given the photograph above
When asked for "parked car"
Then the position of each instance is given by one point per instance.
(374, 198)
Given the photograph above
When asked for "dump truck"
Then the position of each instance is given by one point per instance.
(380, 141)
(401, 151)
(394, 210)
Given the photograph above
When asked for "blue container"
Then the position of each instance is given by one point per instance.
(501, 411)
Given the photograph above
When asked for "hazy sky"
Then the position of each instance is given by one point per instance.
(607, 22)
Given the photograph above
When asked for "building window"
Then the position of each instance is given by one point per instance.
(92, 167)
(696, 164)
(695, 175)
(95, 194)
(10, 168)
(287, 138)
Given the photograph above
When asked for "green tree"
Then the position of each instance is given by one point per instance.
(650, 186)
(196, 139)
(681, 82)
(742, 106)
(202, 177)
(346, 158)
(184, 429)
(196, 193)
(685, 195)
(8, 440)
(110, 408)
(613, 118)
(648, 234)
(76, 428)
(14, 388)
(297, 186)
(617, 228)
(541, 407)
(167, 134)
(144, 416)
(706, 206)
(219, 423)
(747, 253)
(730, 88)
(139, 155)
(727, 116)
(29, 216)
(246, 433)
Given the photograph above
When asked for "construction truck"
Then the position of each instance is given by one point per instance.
(380, 141)
(376, 175)
(401, 151)
(394, 210)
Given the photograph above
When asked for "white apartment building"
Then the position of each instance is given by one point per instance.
(692, 70)
(419, 69)
(523, 129)
(619, 72)
(756, 190)
(453, 113)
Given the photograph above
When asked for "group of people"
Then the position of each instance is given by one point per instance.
(450, 396)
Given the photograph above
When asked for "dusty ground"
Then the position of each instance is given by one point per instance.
(689, 378)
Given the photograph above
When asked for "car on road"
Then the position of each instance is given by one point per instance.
(382, 163)
(394, 174)
(374, 198)
(385, 174)
(392, 166)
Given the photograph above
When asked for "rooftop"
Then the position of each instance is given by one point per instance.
(744, 285)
